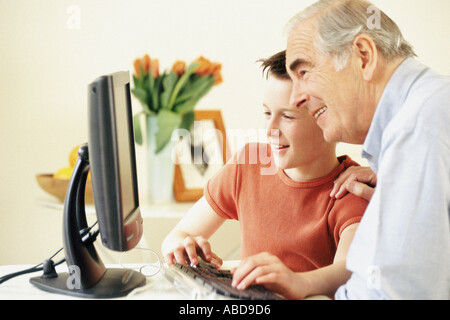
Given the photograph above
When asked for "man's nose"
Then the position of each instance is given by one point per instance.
(298, 96)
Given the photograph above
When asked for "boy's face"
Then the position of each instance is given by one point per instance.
(293, 134)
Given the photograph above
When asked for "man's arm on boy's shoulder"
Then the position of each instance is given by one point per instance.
(361, 181)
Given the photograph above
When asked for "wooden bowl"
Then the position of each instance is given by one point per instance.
(57, 187)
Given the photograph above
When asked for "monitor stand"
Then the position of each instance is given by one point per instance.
(87, 277)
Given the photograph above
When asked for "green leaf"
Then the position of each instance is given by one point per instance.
(137, 81)
(167, 122)
(183, 79)
(188, 105)
(140, 94)
(192, 80)
(143, 98)
(137, 128)
(168, 84)
(155, 94)
(151, 80)
(187, 121)
(204, 89)
(191, 89)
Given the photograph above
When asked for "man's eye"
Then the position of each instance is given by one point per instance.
(302, 73)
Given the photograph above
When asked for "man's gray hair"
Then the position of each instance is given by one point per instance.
(340, 21)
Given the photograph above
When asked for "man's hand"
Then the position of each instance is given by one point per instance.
(361, 181)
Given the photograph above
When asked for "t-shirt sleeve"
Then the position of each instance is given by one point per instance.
(220, 191)
(345, 212)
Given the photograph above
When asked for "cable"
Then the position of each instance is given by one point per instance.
(86, 236)
(143, 268)
(54, 254)
(29, 270)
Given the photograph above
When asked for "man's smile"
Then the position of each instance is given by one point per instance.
(317, 113)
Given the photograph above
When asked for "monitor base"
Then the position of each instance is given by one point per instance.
(114, 283)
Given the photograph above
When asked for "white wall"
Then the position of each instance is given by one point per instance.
(45, 67)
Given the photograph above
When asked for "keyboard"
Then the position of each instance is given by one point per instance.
(218, 281)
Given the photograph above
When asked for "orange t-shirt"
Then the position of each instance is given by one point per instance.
(296, 221)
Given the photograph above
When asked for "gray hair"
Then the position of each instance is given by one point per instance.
(340, 21)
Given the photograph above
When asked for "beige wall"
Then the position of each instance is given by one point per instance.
(45, 67)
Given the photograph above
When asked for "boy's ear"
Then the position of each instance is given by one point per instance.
(366, 53)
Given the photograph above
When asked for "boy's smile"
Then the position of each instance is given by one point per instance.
(295, 139)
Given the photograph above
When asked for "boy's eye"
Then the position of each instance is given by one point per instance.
(288, 117)
(267, 114)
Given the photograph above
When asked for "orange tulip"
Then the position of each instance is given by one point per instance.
(203, 67)
(146, 61)
(179, 67)
(215, 72)
(217, 78)
(215, 68)
(154, 66)
(146, 64)
(206, 67)
(137, 67)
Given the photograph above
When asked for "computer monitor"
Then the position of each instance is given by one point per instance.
(110, 156)
(113, 163)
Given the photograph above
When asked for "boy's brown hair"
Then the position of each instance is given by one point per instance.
(275, 66)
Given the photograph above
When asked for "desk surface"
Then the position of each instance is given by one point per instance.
(158, 287)
(19, 288)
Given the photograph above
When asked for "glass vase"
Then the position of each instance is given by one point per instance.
(160, 169)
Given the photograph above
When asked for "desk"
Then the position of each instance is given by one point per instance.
(20, 288)
(158, 287)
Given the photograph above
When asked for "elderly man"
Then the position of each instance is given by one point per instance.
(354, 72)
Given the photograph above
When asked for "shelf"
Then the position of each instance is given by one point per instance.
(173, 210)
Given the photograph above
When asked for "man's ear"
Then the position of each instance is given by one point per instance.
(366, 53)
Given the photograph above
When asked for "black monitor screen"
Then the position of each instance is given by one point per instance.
(124, 145)
(112, 161)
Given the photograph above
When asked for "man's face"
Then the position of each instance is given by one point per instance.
(334, 98)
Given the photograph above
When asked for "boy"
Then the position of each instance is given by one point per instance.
(294, 237)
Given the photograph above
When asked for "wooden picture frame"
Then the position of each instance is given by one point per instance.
(185, 189)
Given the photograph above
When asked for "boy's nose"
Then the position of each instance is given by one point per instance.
(273, 134)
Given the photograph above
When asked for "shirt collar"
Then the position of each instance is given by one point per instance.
(392, 99)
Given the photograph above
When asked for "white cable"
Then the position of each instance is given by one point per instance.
(144, 268)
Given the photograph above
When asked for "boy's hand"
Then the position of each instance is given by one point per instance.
(268, 270)
(188, 251)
